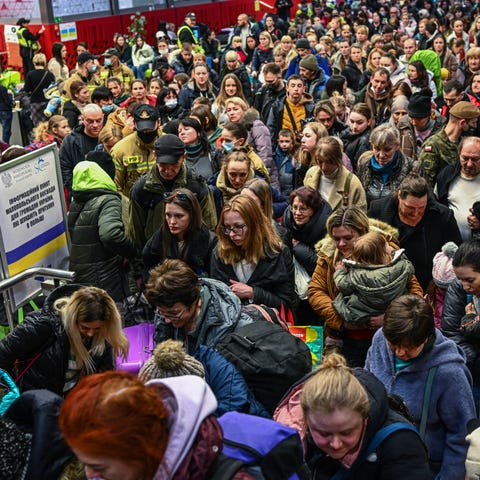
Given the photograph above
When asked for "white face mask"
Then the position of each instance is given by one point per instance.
(163, 51)
(171, 103)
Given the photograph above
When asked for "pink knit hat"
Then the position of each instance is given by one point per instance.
(442, 271)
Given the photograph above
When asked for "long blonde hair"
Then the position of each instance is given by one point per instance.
(307, 158)
(89, 304)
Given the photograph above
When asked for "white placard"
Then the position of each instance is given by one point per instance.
(68, 31)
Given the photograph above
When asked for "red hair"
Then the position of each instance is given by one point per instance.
(113, 414)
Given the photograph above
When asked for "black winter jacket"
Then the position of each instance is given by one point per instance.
(272, 280)
(445, 179)
(43, 332)
(355, 144)
(422, 242)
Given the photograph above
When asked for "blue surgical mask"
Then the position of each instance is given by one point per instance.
(172, 103)
(228, 146)
(108, 108)
(107, 62)
(92, 69)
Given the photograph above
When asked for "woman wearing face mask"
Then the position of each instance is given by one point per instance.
(198, 86)
(328, 175)
(77, 332)
(183, 235)
(394, 67)
(382, 170)
(201, 160)
(356, 138)
(139, 93)
(250, 257)
(72, 109)
(168, 107)
(230, 87)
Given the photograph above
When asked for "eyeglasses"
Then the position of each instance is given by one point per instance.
(169, 196)
(301, 210)
(178, 316)
(236, 229)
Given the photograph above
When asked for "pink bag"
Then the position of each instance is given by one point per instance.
(140, 339)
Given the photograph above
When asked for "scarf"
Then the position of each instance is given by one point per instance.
(384, 170)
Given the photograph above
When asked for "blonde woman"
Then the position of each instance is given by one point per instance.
(262, 54)
(230, 87)
(77, 332)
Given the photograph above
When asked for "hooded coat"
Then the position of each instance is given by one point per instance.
(98, 240)
(451, 402)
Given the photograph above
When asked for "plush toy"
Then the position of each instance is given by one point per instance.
(54, 97)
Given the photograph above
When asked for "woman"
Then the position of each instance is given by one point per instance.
(382, 172)
(208, 121)
(473, 90)
(77, 332)
(139, 93)
(419, 79)
(201, 161)
(115, 85)
(394, 67)
(72, 109)
(212, 48)
(344, 227)
(356, 138)
(168, 106)
(155, 85)
(142, 56)
(423, 224)
(250, 49)
(53, 131)
(124, 49)
(270, 27)
(99, 245)
(35, 82)
(287, 46)
(448, 59)
(403, 355)
(233, 66)
(332, 179)
(324, 112)
(343, 410)
(250, 257)
(230, 87)
(183, 234)
(198, 86)
(56, 65)
(399, 109)
(262, 54)
(355, 67)
(373, 62)
(167, 427)
(201, 58)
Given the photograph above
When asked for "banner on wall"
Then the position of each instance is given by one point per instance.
(13, 48)
(33, 230)
(68, 31)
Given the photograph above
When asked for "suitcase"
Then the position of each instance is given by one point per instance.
(140, 339)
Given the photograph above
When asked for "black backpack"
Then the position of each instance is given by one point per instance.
(270, 359)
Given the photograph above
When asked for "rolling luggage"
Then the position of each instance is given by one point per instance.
(141, 346)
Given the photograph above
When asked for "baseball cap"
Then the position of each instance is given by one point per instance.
(85, 57)
(191, 16)
(145, 117)
(110, 52)
(465, 110)
(168, 149)
(23, 20)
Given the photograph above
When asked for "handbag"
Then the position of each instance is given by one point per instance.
(302, 280)
(136, 309)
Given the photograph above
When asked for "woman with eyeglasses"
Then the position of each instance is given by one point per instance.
(183, 235)
(250, 257)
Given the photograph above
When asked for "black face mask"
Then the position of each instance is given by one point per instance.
(147, 137)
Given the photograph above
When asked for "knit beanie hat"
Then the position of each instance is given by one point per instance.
(442, 271)
(309, 62)
(400, 102)
(419, 106)
(170, 360)
(472, 463)
(302, 43)
(104, 159)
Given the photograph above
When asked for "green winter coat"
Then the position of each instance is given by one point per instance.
(367, 290)
(98, 240)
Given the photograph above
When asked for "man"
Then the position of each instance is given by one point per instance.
(28, 44)
(458, 186)
(245, 28)
(418, 125)
(86, 73)
(378, 95)
(272, 90)
(112, 67)
(313, 76)
(409, 47)
(169, 173)
(440, 150)
(183, 62)
(196, 311)
(163, 69)
(133, 155)
(303, 49)
(452, 94)
(290, 112)
(83, 139)
(189, 32)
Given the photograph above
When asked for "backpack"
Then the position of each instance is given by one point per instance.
(270, 359)
(262, 312)
(273, 452)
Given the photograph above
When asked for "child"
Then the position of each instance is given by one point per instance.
(373, 277)
(443, 275)
(284, 160)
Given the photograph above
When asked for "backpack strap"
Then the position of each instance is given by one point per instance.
(224, 468)
(426, 402)
(346, 189)
(292, 119)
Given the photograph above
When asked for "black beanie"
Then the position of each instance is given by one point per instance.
(419, 106)
(104, 160)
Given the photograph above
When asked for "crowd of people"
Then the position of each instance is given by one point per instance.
(324, 164)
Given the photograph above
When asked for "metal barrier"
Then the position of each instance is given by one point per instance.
(50, 273)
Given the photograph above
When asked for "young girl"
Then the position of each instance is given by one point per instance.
(373, 277)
